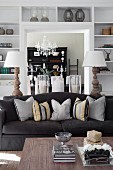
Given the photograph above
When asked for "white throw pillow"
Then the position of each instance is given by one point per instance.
(61, 111)
(24, 108)
(97, 108)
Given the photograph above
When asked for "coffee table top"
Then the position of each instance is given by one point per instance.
(37, 155)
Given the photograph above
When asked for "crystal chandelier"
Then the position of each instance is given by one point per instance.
(46, 48)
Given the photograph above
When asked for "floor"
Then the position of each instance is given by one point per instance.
(9, 160)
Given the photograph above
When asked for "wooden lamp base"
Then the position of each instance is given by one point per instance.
(16, 91)
(95, 92)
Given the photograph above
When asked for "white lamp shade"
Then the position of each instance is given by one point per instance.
(94, 59)
(14, 59)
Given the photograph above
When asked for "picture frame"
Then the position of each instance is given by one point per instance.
(1, 57)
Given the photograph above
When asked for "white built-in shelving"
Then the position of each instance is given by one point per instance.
(9, 19)
(55, 13)
(97, 17)
(103, 20)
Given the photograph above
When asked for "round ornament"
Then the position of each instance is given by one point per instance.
(68, 15)
(79, 15)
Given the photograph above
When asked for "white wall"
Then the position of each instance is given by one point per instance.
(74, 42)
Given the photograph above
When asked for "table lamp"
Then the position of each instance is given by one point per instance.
(94, 59)
(14, 59)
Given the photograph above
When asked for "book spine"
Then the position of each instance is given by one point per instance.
(64, 160)
(65, 156)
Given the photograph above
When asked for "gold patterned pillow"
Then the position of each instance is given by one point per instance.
(81, 109)
(41, 111)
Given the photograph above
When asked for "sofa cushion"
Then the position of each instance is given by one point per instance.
(80, 128)
(24, 108)
(59, 96)
(81, 109)
(97, 108)
(31, 127)
(10, 111)
(41, 111)
(61, 111)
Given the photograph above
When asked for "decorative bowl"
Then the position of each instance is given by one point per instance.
(63, 137)
(55, 53)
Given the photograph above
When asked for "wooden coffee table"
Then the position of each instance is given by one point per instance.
(37, 155)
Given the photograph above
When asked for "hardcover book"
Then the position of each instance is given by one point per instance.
(63, 154)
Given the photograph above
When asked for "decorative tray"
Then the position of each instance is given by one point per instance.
(99, 163)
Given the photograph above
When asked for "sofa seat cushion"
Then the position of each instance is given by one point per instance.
(32, 128)
(80, 128)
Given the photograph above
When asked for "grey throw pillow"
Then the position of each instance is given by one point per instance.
(24, 108)
(97, 108)
(61, 111)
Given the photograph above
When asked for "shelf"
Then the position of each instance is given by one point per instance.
(2, 61)
(104, 36)
(103, 48)
(109, 61)
(9, 23)
(107, 93)
(14, 35)
(57, 23)
(111, 23)
(6, 74)
(9, 48)
(49, 62)
(105, 74)
(56, 63)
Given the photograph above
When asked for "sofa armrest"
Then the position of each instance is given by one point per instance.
(2, 120)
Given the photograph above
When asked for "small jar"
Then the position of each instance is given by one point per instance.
(44, 18)
(9, 31)
(34, 17)
(2, 31)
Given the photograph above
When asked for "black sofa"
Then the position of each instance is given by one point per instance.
(13, 132)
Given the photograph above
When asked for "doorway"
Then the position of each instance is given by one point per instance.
(56, 28)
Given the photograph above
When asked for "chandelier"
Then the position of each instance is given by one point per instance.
(46, 47)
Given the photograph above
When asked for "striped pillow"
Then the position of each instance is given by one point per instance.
(81, 109)
(41, 111)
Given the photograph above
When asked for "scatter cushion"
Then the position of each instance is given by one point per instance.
(24, 108)
(97, 108)
(81, 109)
(41, 111)
(61, 111)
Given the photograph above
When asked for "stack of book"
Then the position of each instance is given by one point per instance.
(63, 153)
